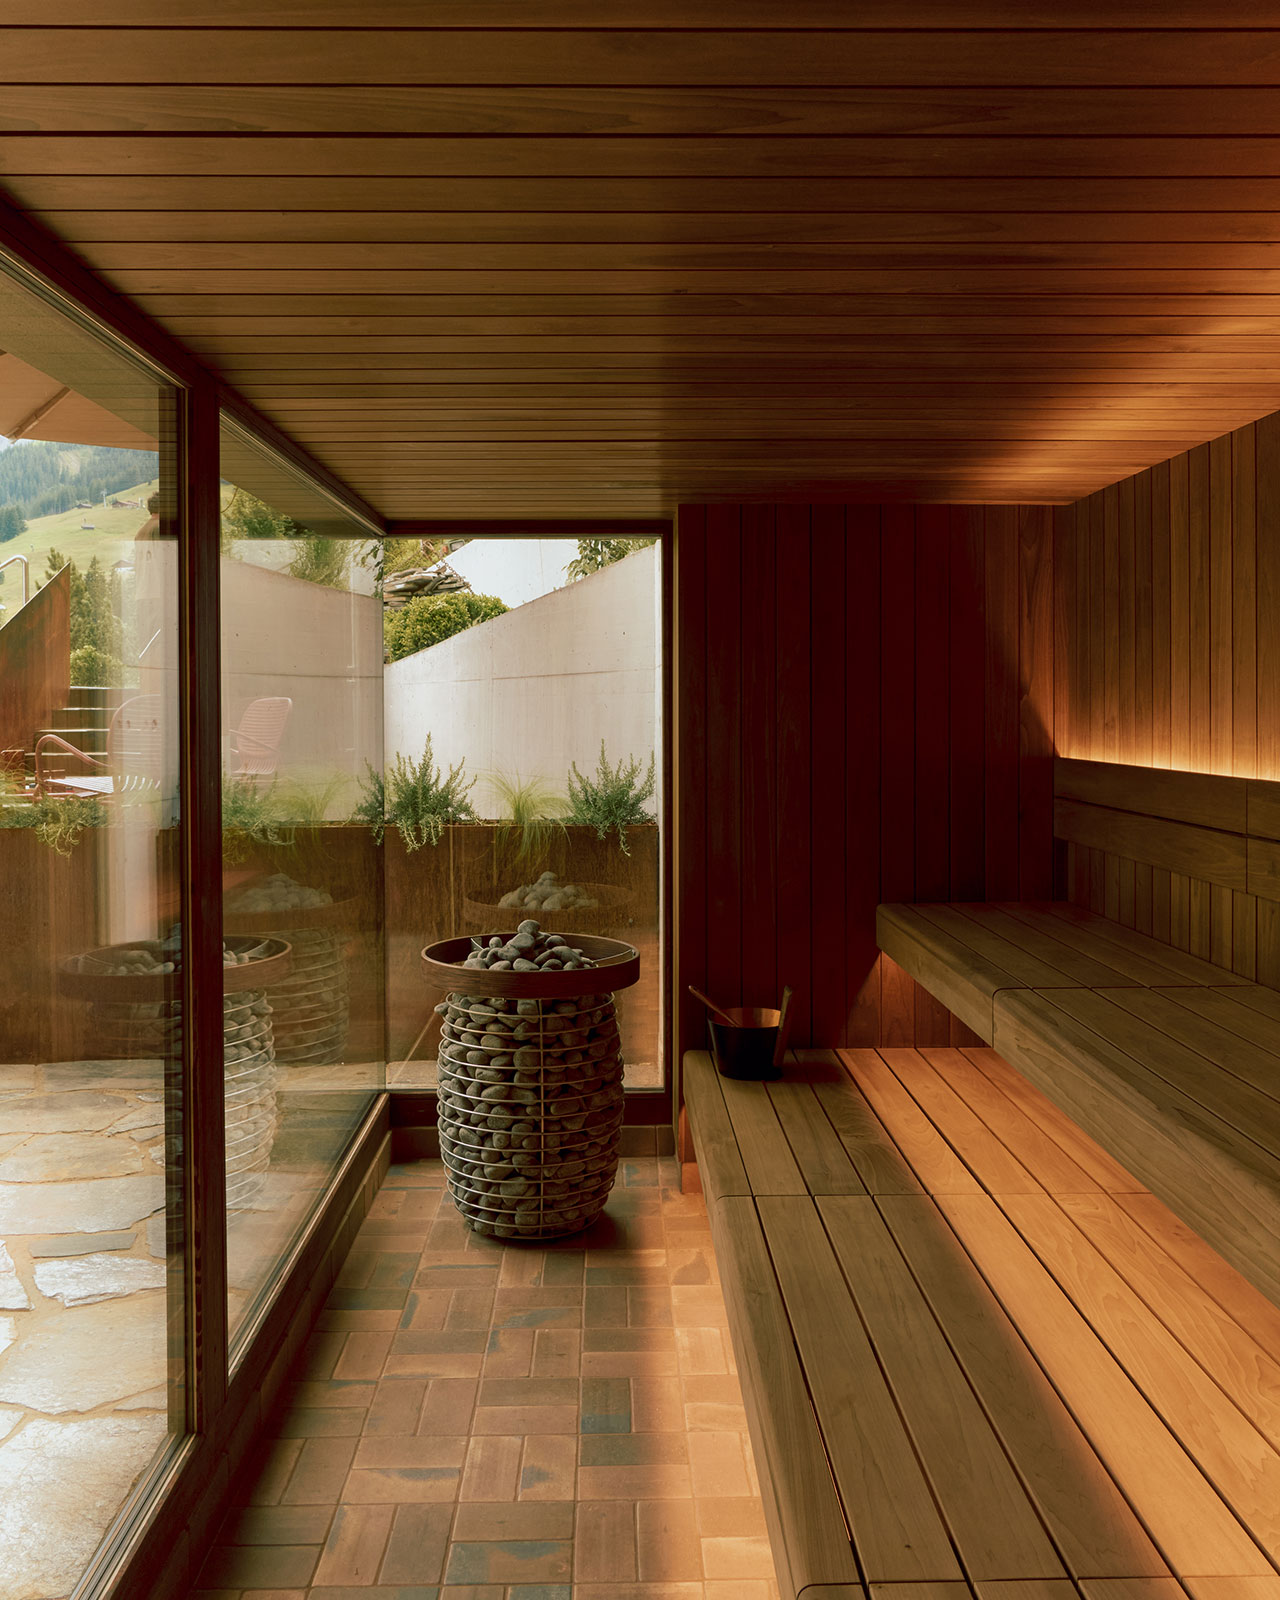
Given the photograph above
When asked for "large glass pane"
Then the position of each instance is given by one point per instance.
(91, 1349)
(523, 705)
(302, 712)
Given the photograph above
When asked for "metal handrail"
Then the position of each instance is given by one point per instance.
(26, 574)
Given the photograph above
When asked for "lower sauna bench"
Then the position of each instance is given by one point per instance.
(976, 1353)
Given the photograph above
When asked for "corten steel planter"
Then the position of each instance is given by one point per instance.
(138, 1016)
(530, 1099)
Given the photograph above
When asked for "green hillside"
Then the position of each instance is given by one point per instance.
(63, 531)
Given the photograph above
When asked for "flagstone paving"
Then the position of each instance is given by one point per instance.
(480, 1421)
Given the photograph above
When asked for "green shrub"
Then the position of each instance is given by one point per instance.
(613, 799)
(57, 820)
(89, 665)
(533, 813)
(415, 798)
(430, 618)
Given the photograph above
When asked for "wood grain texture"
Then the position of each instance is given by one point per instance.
(873, 692)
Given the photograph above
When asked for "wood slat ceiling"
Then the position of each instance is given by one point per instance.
(565, 258)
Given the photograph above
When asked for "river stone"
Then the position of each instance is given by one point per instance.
(88, 1357)
(13, 1297)
(83, 1244)
(84, 1280)
(99, 1205)
(60, 1485)
(49, 1156)
(83, 1112)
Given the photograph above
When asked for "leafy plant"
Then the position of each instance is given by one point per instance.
(251, 815)
(93, 666)
(57, 820)
(321, 560)
(613, 799)
(415, 798)
(596, 554)
(534, 811)
(430, 618)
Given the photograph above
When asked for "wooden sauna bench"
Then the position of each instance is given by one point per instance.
(976, 1353)
(1171, 1062)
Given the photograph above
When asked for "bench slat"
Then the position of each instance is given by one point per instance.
(1025, 1589)
(1092, 1522)
(897, 1532)
(1252, 1014)
(823, 1160)
(811, 1527)
(1027, 968)
(1069, 1136)
(766, 1155)
(1188, 1521)
(996, 1168)
(1256, 1065)
(1229, 1450)
(719, 1160)
(1091, 971)
(1157, 1132)
(994, 1525)
(936, 1165)
(1140, 957)
(964, 981)
(1030, 1144)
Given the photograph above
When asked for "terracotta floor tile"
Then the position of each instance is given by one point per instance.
(635, 1483)
(617, 1339)
(510, 1561)
(320, 1353)
(667, 1542)
(277, 1525)
(715, 1388)
(736, 1557)
(529, 1392)
(553, 1296)
(701, 1350)
(557, 1353)
(525, 1419)
(738, 1516)
(633, 1450)
(331, 1392)
(353, 1551)
(509, 1353)
(318, 1477)
(320, 1422)
(519, 1519)
(448, 1406)
(400, 1485)
(363, 1355)
(718, 1465)
(635, 1591)
(649, 1307)
(260, 1565)
(549, 1467)
(471, 1591)
(692, 1264)
(741, 1589)
(273, 1473)
(425, 1310)
(360, 1321)
(470, 1308)
(563, 1268)
(417, 1546)
(628, 1363)
(657, 1405)
(492, 1470)
(521, 1268)
(606, 1405)
(604, 1545)
(604, 1307)
(411, 1450)
(456, 1275)
(695, 1307)
(396, 1407)
(712, 1416)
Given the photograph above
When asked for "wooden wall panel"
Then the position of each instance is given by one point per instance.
(866, 704)
(1194, 621)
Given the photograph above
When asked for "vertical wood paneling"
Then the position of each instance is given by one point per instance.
(842, 670)
(1244, 606)
(690, 667)
(1127, 617)
(1111, 623)
(1161, 618)
(1267, 490)
(1143, 741)
(1200, 674)
(725, 732)
(1097, 627)
(1221, 607)
(1179, 616)
(844, 797)
(1037, 687)
(1064, 654)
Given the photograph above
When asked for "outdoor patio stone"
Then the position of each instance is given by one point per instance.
(82, 1112)
(13, 1297)
(87, 1357)
(112, 1075)
(9, 1420)
(149, 1116)
(60, 1485)
(47, 1156)
(19, 1076)
(83, 1280)
(81, 1244)
(8, 1333)
(98, 1205)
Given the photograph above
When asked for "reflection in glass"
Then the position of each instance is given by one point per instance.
(91, 1346)
(302, 714)
(524, 709)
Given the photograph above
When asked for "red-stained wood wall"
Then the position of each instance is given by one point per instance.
(1167, 628)
(864, 713)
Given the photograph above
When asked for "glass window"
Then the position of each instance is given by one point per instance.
(91, 1280)
(524, 708)
(302, 881)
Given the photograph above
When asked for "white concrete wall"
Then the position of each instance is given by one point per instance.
(321, 647)
(527, 693)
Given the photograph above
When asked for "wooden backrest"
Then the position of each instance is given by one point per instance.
(1218, 830)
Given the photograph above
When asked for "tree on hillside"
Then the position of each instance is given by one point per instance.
(595, 554)
(12, 523)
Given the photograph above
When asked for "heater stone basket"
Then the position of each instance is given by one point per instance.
(530, 1098)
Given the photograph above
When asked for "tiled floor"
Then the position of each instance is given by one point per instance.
(478, 1421)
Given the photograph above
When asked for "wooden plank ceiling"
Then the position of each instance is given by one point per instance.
(577, 258)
